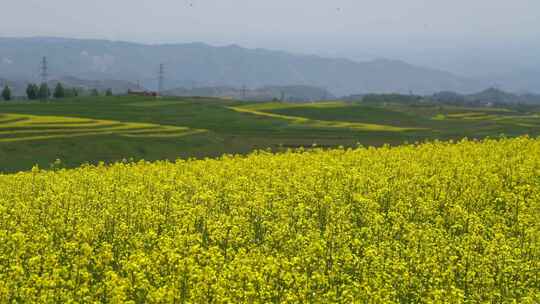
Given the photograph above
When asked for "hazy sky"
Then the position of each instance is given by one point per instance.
(435, 32)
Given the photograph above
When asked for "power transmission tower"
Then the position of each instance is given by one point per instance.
(44, 70)
(161, 78)
(244, 92)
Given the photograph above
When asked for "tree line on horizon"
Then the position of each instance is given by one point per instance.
(43, 92)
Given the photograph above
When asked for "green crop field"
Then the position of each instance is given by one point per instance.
(109, 129)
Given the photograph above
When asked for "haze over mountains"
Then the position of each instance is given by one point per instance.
(201, 65)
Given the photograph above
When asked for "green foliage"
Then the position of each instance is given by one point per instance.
(434, 223)
(94, 92)
(6, 93)
(59, 91)
(109, 92)
(32, 91)
(44, 92)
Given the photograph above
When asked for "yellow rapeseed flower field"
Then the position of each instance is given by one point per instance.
(432, 223)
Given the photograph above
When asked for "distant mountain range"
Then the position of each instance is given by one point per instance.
(198, 65)
(201, 65)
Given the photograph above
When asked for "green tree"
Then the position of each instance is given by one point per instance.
(6, 93)
(44, 92)
(59, 91)
(94, 92)
(32, 91)
(109, 92)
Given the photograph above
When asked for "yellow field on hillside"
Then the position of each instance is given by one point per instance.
(24, 127)
(260, 110)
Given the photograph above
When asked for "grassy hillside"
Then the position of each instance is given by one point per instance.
(111, 129)
(435, 223)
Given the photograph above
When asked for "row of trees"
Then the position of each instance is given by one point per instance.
(33, 92)
(42, 92)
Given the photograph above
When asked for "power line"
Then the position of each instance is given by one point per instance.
(44, 70)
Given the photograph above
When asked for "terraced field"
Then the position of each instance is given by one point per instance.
(424, 120)
(24, 127)
(270, 109)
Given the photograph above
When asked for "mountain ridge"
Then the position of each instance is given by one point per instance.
(200, 64)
